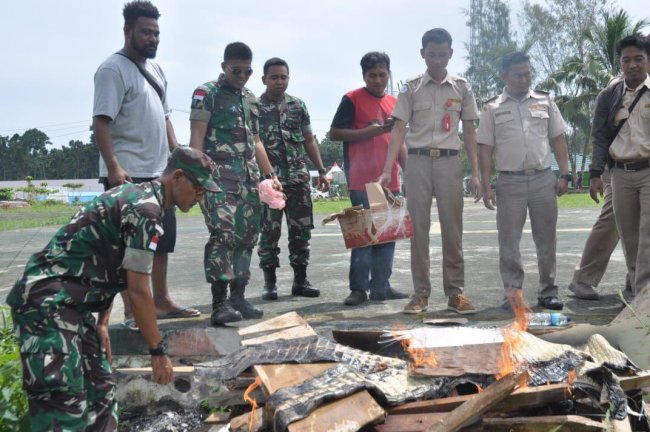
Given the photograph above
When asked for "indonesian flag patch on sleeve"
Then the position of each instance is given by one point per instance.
(199, 95)
(153, 244)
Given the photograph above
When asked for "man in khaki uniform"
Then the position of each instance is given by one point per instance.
(519, 125)
(434, 104)
(621, 138)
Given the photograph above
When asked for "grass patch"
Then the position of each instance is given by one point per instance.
(49, 214)
(577, 200)
(37, 215)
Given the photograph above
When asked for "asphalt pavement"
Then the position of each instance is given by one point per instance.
(329, 272)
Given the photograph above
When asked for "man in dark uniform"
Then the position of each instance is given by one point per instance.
(224, 124)
(285, 131)
(106, 248)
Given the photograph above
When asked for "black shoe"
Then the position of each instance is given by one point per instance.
(223, 313)
(393, 294)
(270, 290)
(305, 290)
(238, 302)
(551, 302)
(247, 310)
(356, 298)
(377, 296)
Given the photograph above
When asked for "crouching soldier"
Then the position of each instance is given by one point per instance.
(107, 247)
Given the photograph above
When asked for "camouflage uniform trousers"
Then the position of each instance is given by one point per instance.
(300, 222)
(233, 219)
(67, 378)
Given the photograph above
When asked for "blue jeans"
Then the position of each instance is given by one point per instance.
(371, 266)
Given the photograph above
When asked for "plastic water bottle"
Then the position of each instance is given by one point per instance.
(540, 319)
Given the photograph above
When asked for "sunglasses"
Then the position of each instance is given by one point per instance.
(238, 71)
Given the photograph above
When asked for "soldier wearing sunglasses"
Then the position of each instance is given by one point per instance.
(224, 124)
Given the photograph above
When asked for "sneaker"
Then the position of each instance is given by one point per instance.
(460, 304)
(416, 305)
(356, 298)
(583, 291)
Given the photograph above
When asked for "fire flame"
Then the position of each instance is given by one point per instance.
(512, 339)
(420, 356)
(252, 401)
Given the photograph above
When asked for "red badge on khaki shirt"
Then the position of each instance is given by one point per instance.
(199, 95)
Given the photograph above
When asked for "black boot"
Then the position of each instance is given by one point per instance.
(222, 311)
(270, 291)
(301, 286)
(237, 300)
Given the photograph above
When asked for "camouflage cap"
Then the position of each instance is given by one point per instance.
(196, 164)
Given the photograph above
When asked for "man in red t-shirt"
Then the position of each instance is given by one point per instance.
(363, 123)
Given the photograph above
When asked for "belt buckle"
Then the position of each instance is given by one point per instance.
(434, 153)
(625, 167)
(529, 172)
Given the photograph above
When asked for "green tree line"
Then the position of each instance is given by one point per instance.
(30, 154)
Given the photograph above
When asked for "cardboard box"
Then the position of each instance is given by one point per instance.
(386, 221)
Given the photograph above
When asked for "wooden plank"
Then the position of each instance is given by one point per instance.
(572, 423)
(344, 415)
(637, 382)
(445, 321)
(243, 422)
(275, 377)
(289, 333)
(478, 404)
(521, 398)
(290, 319)
(462, 360)
(409, 422)
(217, 418)
(178, 370)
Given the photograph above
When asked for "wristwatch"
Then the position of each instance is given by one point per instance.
(567, 177)
(269, 176)
(322, 171)
(160, 349)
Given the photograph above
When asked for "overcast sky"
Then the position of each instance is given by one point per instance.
(51, 49)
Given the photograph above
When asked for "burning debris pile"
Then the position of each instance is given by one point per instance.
(507, 377)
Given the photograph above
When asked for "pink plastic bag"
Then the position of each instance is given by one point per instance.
(270, 196)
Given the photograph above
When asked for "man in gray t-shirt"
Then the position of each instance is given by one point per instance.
(134, 134)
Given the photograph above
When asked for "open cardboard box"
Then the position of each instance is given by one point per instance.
(387, 219)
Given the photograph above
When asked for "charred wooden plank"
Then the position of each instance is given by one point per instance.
(572, 423)
(409, 422)
(478, 404)
(345, 415)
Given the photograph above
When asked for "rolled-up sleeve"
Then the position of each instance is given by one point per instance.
(201, 107)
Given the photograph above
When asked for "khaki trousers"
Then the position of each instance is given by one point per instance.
(427, 177)
(631, 196)
(517, 195)
(601, 241)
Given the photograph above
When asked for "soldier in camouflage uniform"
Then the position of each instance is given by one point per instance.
(285, 131)
(106, 248)
(224, 124)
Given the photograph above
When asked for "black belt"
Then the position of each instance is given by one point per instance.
(633, 166)
(433, 152)
(527, 172)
